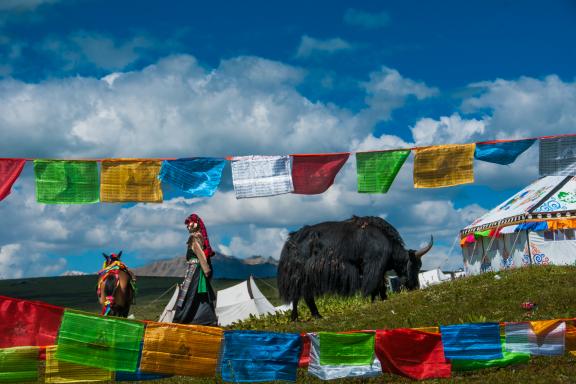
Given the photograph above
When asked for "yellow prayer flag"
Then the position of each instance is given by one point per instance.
(130, 180)
(58, 371)
(444, 166)
(428, 329)
(542, 327)
(187, 350)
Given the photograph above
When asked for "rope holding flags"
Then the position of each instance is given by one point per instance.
(140, 180)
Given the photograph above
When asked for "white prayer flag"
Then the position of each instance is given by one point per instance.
(520, 337)
(257, 176)
(558, 156)
(330, 372)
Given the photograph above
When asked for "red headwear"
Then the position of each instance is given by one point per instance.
(194, 218)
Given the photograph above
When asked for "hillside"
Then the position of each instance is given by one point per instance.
(225, 267)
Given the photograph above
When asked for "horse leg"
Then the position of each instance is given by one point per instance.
(312, 305)
(294, 316)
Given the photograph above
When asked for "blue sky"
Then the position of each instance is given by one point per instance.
(82, 78)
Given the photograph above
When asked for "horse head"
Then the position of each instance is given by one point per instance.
(111, 258)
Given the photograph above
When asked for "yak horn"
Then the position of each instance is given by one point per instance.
(422, 251)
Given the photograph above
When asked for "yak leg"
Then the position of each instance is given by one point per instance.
(294, 316)
(312, 305)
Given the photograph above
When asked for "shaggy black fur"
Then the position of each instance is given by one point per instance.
(343, 257)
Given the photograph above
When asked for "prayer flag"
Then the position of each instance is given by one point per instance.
(187, 350)
(472, 341)
(444, 166)
(558, 156)
(99, 341)
(508, 358)
(19, 364)
(503, 152)
(254, 356)
(411, 353)
(127, 180)
(570, 337)
(59, 371)
(346, 348)
(305, 355)
(256, 176)
(549, 341)
(28, 323)
(329, 372)
(314, 174)
(10, 169)
(199, 176)
(377, 170)
(66, 182)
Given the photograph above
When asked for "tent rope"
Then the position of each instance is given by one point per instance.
(156, 299)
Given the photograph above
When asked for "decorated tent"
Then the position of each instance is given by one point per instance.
(535, 226)
(240, 301)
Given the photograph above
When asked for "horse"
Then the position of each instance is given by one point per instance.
(116, 286)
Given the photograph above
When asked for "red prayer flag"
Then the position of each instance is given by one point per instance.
(314, 174)
(305, 354)
(28, 323)
(10, 169)
(411, 353)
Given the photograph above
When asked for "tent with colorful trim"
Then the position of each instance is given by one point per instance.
(535, 226)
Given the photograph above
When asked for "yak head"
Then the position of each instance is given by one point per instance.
(410, 270)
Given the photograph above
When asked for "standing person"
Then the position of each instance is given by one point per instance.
(196, 300)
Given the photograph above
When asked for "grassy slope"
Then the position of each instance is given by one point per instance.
(474, 299)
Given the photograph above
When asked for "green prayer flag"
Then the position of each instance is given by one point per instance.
(19, 364)
(66, 181)
(377, 170)
(346, 348)
(98, 341)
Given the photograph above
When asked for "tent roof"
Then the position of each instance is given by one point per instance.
(549, 197)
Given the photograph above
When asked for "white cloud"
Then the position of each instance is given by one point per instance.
(310, 46)
(365, 19)
(260, 241)
(388, 90)
(526, 107)
(98, 50)
(18, 260)
(447, 129)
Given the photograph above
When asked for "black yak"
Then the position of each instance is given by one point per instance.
(343, 257)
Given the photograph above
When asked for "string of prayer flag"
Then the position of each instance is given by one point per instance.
(314, 174)
(129, 180)
(444, 166)
(66, 181)
(257, 176)
(254, 356)
(10, 169)
(376, 171)
(199, 176)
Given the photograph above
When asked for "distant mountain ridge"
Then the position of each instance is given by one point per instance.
(225, 267)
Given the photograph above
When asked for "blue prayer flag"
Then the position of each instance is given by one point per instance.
(472, 341)
(534, 226)
(251, 356)
(198, 176)
(504, 152)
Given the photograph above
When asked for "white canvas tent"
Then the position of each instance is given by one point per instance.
(240, 301)
(432, 277)
(535, 226)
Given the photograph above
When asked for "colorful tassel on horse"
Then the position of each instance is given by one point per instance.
(107, 305)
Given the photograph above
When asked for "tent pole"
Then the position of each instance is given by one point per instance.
(528, 245)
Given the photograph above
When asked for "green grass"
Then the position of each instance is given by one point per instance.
(474, 299)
